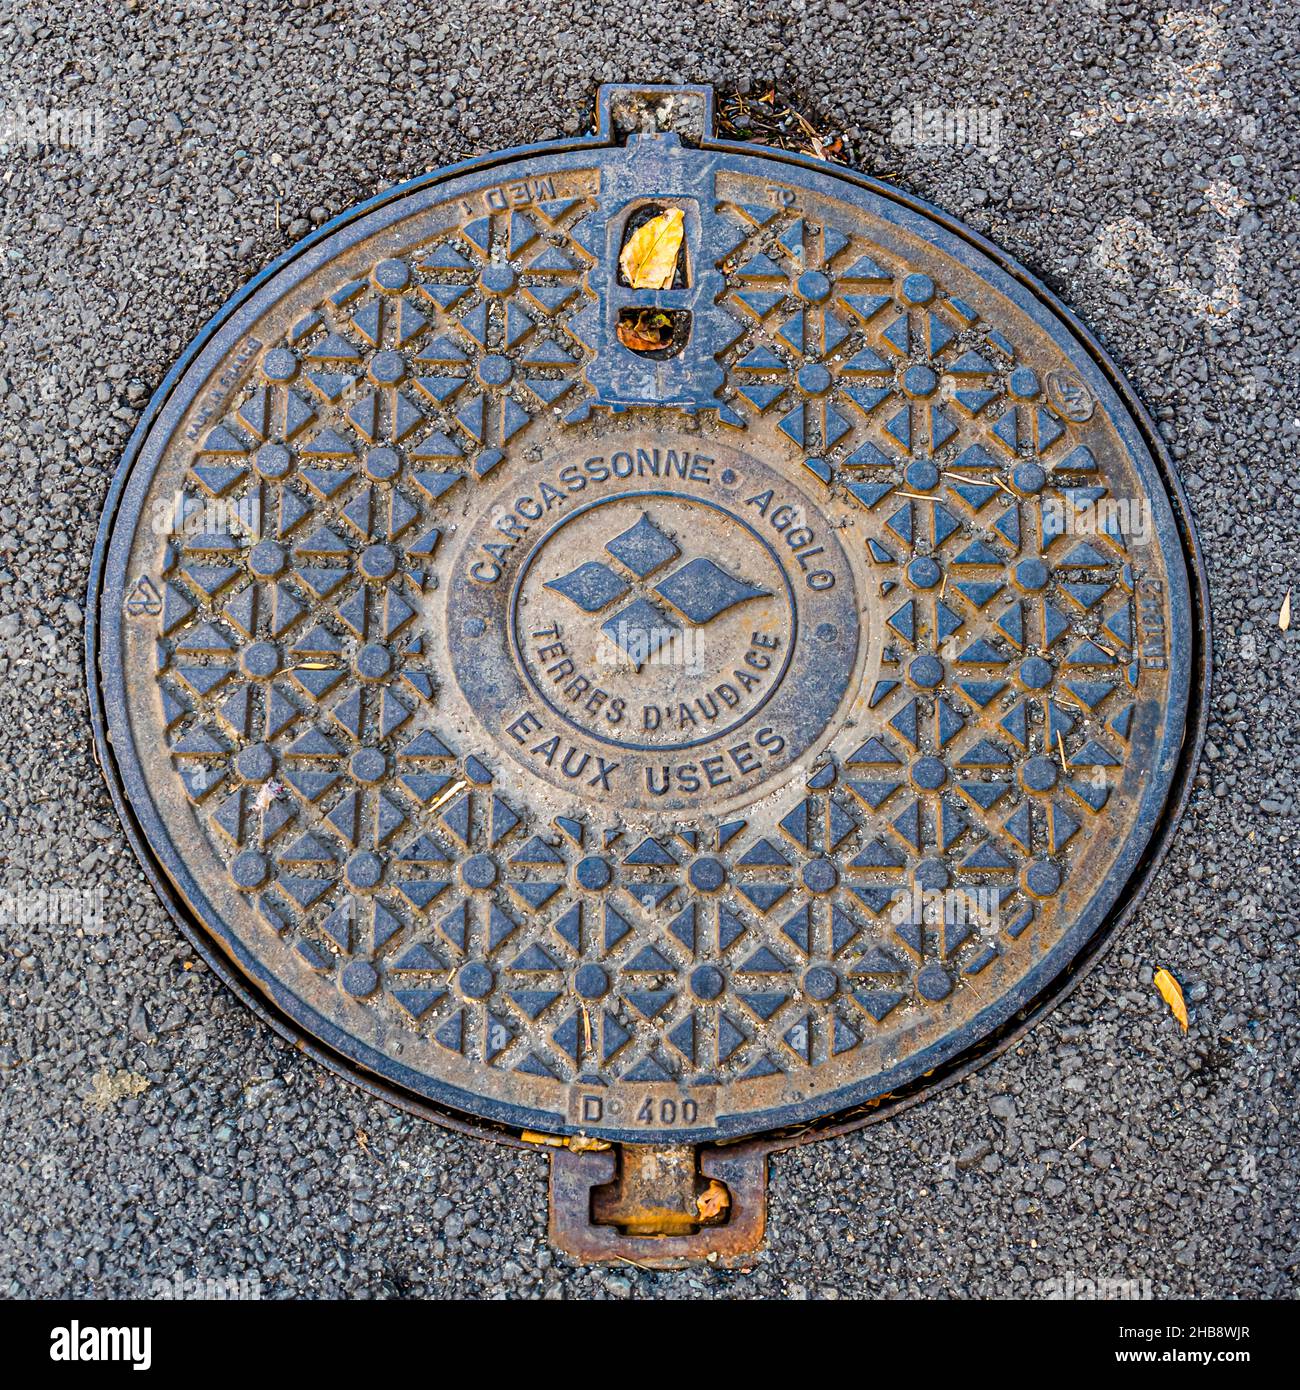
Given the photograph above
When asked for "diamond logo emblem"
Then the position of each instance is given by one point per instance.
(639, 631)
(643, 548)
(702, 590)
(592, 586)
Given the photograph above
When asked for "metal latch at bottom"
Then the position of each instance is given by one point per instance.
(659, 1206)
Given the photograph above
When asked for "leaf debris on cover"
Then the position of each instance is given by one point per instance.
(575, 1143)
(713, 1201)
(1172, 993)
(270, 791)
(646, 330)
(649, 257)
(773, 119)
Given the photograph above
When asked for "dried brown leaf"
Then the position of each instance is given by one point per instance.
(630, 338)
(646, 331)
(584, 1143)
(713, 1201)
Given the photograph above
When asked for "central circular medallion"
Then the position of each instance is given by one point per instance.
(654, 621)
(680, 651)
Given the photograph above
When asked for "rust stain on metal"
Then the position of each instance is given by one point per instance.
(660, 1207)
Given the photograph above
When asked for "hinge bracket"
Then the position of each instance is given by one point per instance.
(662, 1206)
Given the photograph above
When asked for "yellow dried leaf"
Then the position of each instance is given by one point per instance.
(531, 1136)
(1284, 617)
(575, 1143)
(713, 1201)
(649, 259)
(1172, 993)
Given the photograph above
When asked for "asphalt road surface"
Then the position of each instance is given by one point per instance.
(1142, 163)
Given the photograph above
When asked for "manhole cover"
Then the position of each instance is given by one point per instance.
(663, 742)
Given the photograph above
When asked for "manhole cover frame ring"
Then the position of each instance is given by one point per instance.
(835, 1122)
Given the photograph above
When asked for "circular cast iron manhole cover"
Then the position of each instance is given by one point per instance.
(665, 745)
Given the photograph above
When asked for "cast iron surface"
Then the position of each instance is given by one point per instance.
(663, 749)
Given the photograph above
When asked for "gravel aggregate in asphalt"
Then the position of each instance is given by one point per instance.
(152, 1131)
